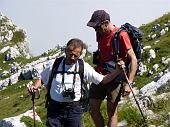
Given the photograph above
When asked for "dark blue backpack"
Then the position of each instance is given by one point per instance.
(84, 100)
(135, 36)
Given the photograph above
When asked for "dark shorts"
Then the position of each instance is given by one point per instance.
(64, 115)
(112, 90)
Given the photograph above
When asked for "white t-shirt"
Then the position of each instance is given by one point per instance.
(90, 75)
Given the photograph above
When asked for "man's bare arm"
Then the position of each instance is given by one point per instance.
(109, 77)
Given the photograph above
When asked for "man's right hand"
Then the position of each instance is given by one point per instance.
(32, 89)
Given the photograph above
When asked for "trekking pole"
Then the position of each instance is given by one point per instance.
(33, 104)
(145, 123)
(33, 107)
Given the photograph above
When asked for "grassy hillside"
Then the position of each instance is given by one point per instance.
(15, 99)
(161, 48)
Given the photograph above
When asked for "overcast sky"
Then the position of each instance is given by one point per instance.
(51, 22)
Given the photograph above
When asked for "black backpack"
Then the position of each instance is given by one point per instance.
(84, 100)
(135, 36)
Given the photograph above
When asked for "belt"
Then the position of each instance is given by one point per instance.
(74, 103)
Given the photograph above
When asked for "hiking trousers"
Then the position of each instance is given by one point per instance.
(64, 114)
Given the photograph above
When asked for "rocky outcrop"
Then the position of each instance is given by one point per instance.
(15, 121)
(13, 39)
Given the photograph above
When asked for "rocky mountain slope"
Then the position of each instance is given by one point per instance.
(152, 84)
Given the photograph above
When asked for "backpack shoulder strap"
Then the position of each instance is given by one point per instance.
(53, 71)
(115, 43)
(84, 89)
(81, 68)
(81, 73)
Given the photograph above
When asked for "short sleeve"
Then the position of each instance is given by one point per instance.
(91, 75)
(44, 75)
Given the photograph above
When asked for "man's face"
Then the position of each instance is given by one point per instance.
(72, 54)
(98, 29)
(101, 28)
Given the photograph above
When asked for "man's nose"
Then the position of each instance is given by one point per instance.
(72, 57)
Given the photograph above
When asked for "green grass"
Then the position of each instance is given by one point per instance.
(11, 102)
(131, 115)
(147, 28)
(162, 108)
(30, 123)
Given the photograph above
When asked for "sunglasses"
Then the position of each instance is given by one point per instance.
(98, 26)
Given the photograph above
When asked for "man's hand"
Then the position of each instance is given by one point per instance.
(127, 90)
(32, 89)
(121, 64)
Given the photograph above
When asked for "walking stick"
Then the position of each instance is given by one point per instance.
(33, 104)
(33, 107)
(145, 124)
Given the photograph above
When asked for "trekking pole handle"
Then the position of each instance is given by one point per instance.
(34, 91)
(35, 95)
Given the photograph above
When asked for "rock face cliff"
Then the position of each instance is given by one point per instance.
(13, 39)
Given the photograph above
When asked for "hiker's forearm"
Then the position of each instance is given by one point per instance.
(37, 83)
(109, 77)
(133, 65)
(133, 69)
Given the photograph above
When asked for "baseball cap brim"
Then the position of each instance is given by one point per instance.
(92, 24)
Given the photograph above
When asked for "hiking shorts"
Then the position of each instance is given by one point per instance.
(112, 90)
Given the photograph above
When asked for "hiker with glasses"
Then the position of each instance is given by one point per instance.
(104, 58)
(64, 105)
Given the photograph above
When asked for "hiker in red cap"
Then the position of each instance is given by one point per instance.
(105, 30)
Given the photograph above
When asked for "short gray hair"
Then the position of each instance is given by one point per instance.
(76, 43)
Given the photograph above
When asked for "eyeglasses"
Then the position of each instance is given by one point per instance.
(72, 54)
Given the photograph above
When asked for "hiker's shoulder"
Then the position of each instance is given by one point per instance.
(123, 33)
(86, 66)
